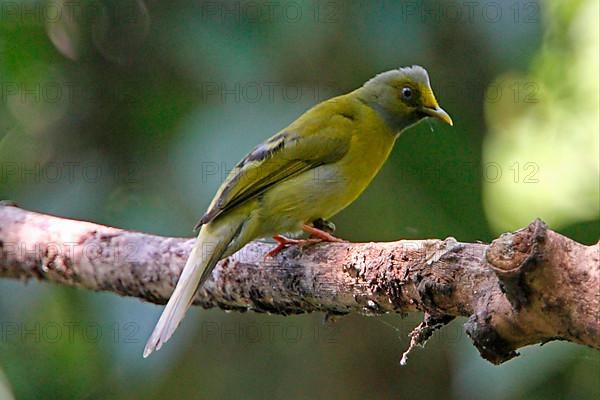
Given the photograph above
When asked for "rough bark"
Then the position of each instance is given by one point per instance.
(526, 287)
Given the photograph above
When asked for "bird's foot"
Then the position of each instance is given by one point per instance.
(316, 236)
(283, 242)
(324, 225)
(322, 235)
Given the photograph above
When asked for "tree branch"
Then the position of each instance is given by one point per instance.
(527, 287)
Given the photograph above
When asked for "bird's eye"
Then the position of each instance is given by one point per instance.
(407, 93)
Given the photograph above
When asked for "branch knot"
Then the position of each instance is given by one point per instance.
(512, 256)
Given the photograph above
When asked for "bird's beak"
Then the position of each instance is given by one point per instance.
(438, 113)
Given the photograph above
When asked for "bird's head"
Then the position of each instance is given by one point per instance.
(403, 97)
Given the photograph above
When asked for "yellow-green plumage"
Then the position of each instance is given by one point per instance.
(310, 170)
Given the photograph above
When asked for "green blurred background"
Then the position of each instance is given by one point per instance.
(130, 114)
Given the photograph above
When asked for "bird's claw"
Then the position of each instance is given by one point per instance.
(315, 232)
(324, 225)
(283, 242)
(317, 235)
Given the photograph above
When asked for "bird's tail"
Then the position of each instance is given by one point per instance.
(208, 249)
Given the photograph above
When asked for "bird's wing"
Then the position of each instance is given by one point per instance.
(323, 141)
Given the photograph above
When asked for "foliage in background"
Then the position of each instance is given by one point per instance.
(551, 141)
(158, 100)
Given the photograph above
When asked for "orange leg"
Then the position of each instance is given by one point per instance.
(316, 236)
(319, 234)
(283, 242)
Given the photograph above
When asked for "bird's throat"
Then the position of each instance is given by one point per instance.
(396, 122)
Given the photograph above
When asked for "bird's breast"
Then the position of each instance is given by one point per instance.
(324, 191)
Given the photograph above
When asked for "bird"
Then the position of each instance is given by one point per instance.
(302, 176)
